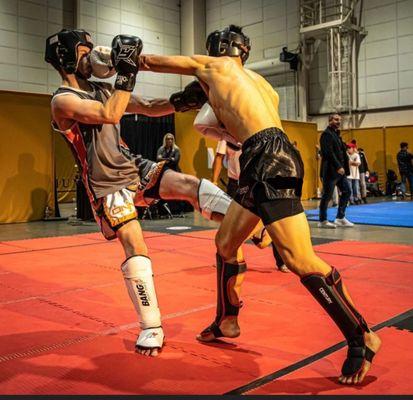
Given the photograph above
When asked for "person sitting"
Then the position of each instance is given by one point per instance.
(373, 184)
(169, 152)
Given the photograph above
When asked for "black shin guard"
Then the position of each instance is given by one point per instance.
(229, 281)
(328, 291)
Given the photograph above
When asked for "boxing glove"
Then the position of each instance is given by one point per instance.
(124, 56)
(101, 62)
(192, 97)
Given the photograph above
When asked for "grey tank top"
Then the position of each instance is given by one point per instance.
(104, 159)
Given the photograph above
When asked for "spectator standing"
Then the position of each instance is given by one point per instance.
(364, 174)
(405, 163)
(334, 171)
(354, 175)
(169, 152)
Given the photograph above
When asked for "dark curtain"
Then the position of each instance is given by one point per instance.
(144, 135)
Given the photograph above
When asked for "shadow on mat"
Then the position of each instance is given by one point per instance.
(312, 386)
(221, 344)
(176, 370)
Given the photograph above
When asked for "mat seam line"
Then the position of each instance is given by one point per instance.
(311, 359)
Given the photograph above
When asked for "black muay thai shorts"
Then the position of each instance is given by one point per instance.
(271, 178)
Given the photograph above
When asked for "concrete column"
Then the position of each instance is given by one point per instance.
(193, 35)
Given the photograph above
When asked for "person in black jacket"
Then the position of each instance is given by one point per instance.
(405, 163)
(334, 171)
(169, 152)
(364, 173)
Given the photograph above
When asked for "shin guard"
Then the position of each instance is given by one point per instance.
(230, 278)
(328, 291)
(138, 276)
(211, 199)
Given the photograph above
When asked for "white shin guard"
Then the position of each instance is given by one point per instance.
(138, 276)
(212, 199)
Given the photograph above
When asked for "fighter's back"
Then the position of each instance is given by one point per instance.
(242, 100)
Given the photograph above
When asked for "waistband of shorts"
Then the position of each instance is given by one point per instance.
(261, 135)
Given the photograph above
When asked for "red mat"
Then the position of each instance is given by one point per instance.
(68, 326)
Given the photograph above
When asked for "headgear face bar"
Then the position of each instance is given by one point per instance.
(61, 48)
(228, 42)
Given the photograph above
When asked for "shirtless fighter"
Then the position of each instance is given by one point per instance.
(87, 114)
(271, 180)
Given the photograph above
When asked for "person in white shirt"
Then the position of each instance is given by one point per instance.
(354, 177)
(233, 169)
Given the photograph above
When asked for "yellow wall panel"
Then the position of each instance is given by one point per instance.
(394, 136)
(372, 142)
(26, 161)
(194, 158)
(306, 135)
(65, 170)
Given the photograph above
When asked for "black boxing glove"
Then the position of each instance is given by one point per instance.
(192, 97)
(124, 55)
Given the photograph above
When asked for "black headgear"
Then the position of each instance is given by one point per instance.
(228, 42)
(61, 48)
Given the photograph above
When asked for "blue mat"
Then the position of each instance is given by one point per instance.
(392, 213)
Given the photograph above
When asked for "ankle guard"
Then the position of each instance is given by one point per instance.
(328, 291)
(230, 277)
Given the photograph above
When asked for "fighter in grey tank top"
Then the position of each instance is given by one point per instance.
(105, 161)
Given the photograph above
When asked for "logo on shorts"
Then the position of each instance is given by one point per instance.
(243, 190)
(325, 295)
(142, 294)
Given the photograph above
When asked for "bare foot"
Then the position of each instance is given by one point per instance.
(228, 328)
(373, 342)
(150, 342)
(283, 268)
(148, 352)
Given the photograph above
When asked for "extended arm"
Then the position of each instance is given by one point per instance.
(150, 108)
(182, 65)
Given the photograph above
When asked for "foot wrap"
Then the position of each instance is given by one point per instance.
(328, 291)
(230, 277)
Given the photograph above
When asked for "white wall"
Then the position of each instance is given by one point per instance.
(156, 22)
(24, 26)
(385, 59)
(271, 25)
(386, 54)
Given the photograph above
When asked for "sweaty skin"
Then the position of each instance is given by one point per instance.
(247, 104)
(231, 89)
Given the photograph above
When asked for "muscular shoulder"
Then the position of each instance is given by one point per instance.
(221, 63)
(62, 100)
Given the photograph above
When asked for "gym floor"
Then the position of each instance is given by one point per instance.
(70, 328)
